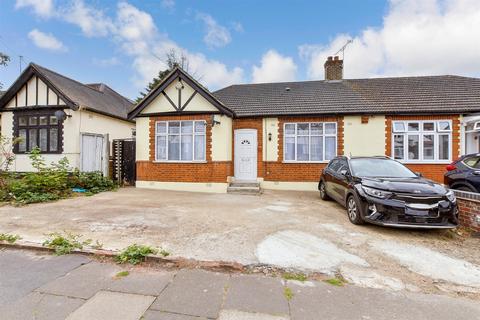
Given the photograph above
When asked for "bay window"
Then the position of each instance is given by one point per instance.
(310, 141)
(422, 141)
(37, 129)
(179, 141)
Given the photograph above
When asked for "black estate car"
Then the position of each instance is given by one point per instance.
(383, 191)
(464, 173)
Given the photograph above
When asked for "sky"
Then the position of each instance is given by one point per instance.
(124, 43)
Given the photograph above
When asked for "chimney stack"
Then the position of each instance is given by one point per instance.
(333, 68)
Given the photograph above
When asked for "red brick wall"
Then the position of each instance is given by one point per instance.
(309, 172)
(211, 171)
(469, 211)
(430, 171)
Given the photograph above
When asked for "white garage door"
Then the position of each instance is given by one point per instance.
(93, 153)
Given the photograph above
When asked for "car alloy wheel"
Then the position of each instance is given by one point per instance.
(352, 209)
(323, 192)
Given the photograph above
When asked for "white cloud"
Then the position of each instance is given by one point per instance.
(237, 26)
(93, 22)
(416, 38)
(42, 8)
(274, 68)
(136, 34)
(46, 41)
(216, 35)
(107, 62)
(168, 4)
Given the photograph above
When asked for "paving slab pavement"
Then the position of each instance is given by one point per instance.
(113, 305)
(84, 281)
(256, 294)
(22, 272)
(40, 306)
(194, 292)
(159, 315)
(241, 315)
(146, 283)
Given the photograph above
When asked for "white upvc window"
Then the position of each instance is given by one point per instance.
(426, 141)
(180, 141)
(309, 141)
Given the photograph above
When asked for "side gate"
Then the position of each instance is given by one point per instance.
(124, 170)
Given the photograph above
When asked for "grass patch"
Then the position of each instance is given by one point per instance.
(122, 274)
(336, 282)
(288, 293)
(10, 238)
(65, 243)
(294, 276)
(135, 254)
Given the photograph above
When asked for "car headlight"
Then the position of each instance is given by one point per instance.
(376, 193)
(451, 196)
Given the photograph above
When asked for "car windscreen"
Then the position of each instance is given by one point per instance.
(386, 168)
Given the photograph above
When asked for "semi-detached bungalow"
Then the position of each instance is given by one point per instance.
(281, 135)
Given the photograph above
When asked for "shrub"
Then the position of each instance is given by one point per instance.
(65, 243)
(93, 182)
(49, 183)
(10, 238)
(135, 254)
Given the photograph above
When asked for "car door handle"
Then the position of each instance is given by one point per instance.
(477, 173)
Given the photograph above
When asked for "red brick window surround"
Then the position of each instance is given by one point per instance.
(180, 141)
(422, 141)
(430, 169)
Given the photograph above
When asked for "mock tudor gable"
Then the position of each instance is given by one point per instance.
(177, 94)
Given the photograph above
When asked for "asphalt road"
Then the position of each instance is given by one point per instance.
(41, 286)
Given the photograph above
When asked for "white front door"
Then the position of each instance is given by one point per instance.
(246, 155)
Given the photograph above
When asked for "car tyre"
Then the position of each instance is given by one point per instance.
(354, 210)
(464, 188)
(323, 193)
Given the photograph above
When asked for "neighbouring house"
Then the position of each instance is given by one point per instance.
(64, 118)
(282, 135)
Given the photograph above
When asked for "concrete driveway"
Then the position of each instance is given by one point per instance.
(287, 229)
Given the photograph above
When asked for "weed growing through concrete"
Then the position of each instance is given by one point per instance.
(288, 293)
(294, 276)
(65, 243)
(135, 254)
(122, 274)
(336, 282)
(97, 246)
(10, 238)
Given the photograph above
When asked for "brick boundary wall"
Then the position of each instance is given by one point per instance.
(429, 170)
(469, 209)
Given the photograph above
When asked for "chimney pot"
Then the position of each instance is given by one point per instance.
(333, 68)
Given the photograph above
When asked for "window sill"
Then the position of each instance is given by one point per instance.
(425, 162)
(306, 162)
(184, 162)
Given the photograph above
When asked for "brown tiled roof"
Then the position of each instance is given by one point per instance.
(427, 94)
(95, 97)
